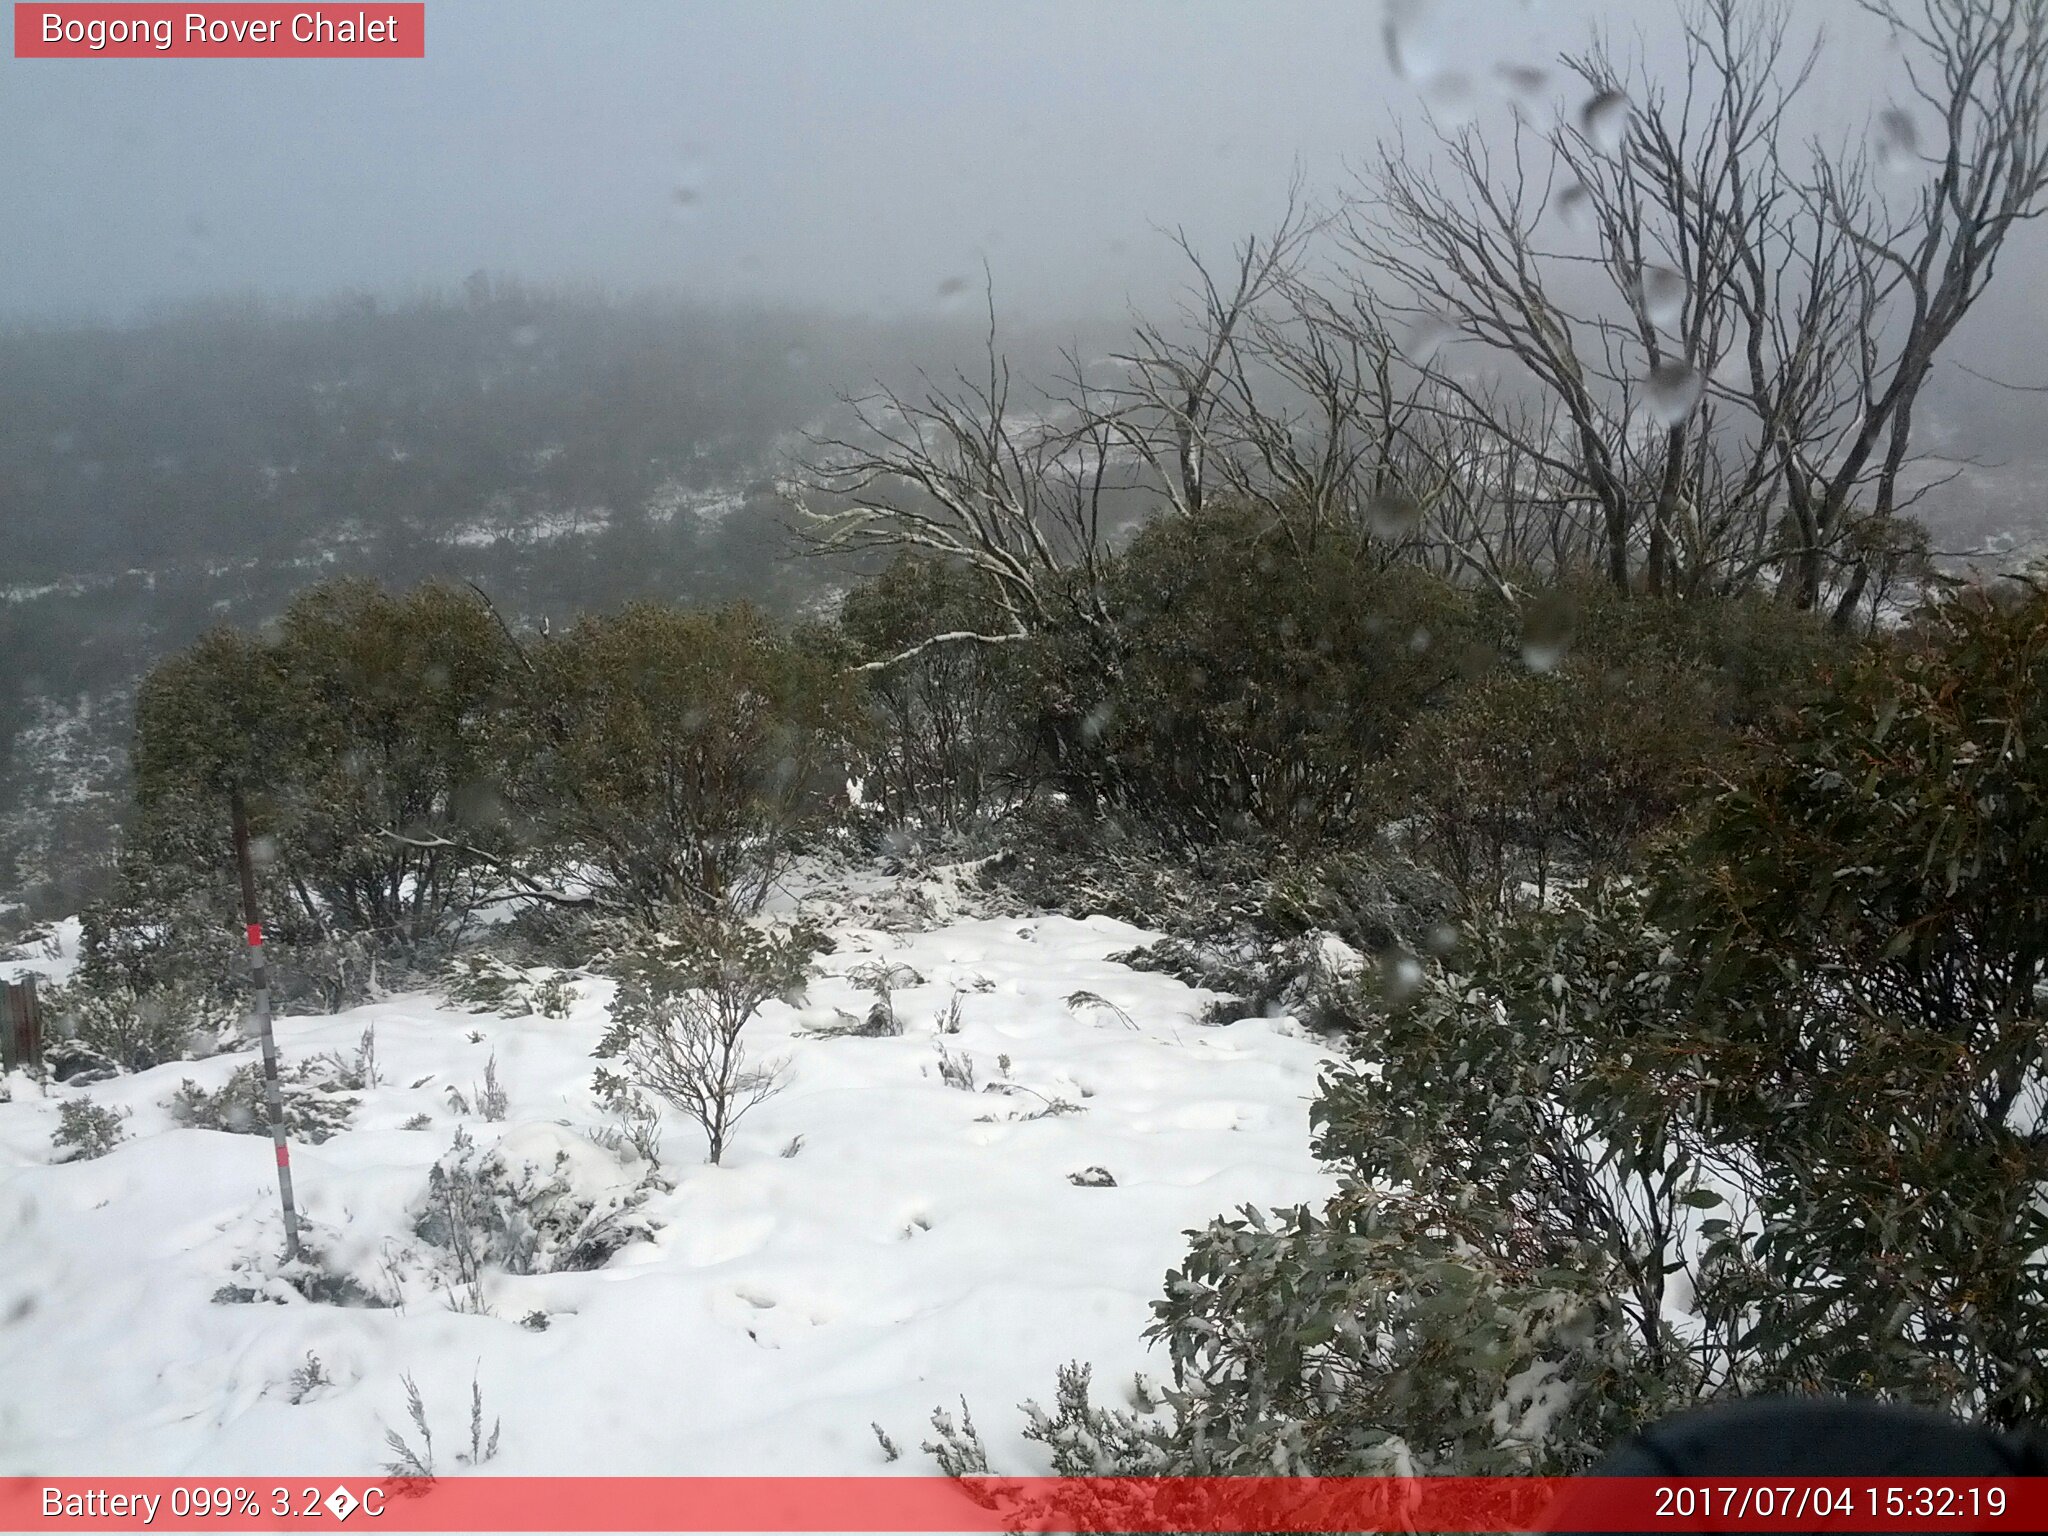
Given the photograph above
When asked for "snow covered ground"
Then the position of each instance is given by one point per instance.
(921, 1243)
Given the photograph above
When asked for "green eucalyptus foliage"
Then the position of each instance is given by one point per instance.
(674, 755)
(1568, 759)
(365, 733)
(1868, 917)
(1770, 1115)
(1259, 684)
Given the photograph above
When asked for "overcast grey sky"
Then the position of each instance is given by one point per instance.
(863, 153)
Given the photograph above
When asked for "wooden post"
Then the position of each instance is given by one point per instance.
(260, 978)
(21, 1029)
(31, 1025)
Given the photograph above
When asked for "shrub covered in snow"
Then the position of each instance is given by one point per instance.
(1306, 976)
(635, 1128)
(136, 1028)
(1264, 924)
(319, 1095)
(956, 1068)
(490, 1097)
(542, 1199)
(86, 1130)
(307, 1379)
(414, 1464)
(484, 983)
(74, 1062)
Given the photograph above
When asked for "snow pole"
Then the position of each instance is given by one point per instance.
(259, 976)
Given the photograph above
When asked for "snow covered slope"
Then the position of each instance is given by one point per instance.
(919, 1243)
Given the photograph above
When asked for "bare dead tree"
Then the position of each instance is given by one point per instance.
(1456, 239)
(964, 471)
(1022, 491)
(1732, 341)
(1587, 384)
(1841, 292)
(1686, 210)
(1171, 402)
(1301, 413)
(1664, 336)
(1979, 69)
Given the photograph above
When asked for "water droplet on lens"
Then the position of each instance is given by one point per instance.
(1898, 141)
(1408, 47)
(1547, 625)
(525, 335)
(1427, 336)
(1524, 81)
(1450, 96)
(1400, 974)
(1604, 121)
(1663, 295)
(1673, 391)
(1575, 209)
(1393, 515)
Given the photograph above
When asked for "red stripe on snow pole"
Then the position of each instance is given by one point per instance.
(255, 933)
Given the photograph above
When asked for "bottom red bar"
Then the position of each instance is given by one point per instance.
(922, 1504)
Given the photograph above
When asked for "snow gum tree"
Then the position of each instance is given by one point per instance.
(364, 733)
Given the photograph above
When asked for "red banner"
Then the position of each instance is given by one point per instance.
(248, 31)
(924, 1504)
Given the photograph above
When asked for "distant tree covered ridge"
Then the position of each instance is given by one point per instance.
(237, 429)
